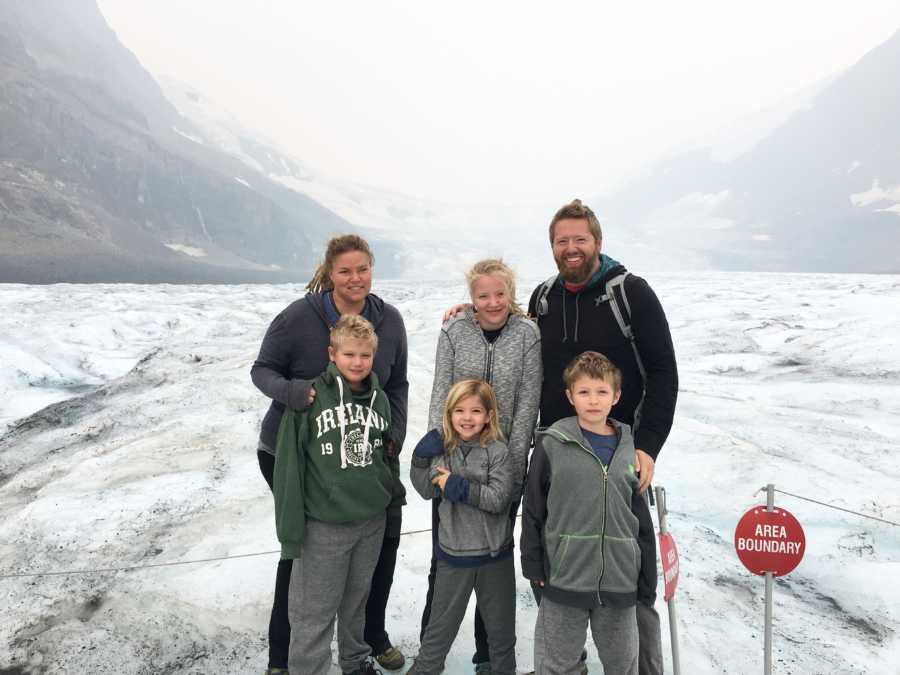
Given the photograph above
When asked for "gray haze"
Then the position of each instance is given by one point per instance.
(496, 102)
(114, 173)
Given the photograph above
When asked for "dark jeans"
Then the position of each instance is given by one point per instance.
(279, 624)
(482, 655)
(375, 634)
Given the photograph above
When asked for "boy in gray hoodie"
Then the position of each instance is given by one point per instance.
(579, 534)
(469, 466)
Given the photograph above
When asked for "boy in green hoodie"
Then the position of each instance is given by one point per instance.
(333, 483)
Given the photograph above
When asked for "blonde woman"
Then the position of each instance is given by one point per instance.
(492, 341)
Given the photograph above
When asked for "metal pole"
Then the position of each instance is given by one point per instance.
(673, 622)
(770, 585)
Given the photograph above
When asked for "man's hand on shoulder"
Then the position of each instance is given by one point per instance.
(645, 466)
(456, 309)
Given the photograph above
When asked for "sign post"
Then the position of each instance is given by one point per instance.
(668, 554)
(769, 542)
(770, 589)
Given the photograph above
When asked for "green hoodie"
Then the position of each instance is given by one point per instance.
(324, 469)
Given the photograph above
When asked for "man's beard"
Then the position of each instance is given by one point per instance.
(580, 274)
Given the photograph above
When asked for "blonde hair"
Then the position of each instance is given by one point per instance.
(502, 271)
(577, 211)
(485, 393)
(353, 326)
(345, 243)
(594, 365)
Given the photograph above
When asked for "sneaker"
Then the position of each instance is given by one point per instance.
(276, 671)
(391, 658)
(483, 668)
(365, 668)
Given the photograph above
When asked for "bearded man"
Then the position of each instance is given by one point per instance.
(595, 304)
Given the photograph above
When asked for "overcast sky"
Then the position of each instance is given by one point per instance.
(495, 101)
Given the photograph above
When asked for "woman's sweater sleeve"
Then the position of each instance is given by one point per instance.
(397, 386)
(443, 379)
(526, 411)
(271, 370)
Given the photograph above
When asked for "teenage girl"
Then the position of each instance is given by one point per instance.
(491, 340)
(468, 466)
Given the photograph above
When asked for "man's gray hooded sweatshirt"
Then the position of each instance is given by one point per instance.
(579, 535)
(511, 365)
(295, 351)
(474, 510)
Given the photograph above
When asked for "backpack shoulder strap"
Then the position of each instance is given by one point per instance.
(621, 309)
(541, 304)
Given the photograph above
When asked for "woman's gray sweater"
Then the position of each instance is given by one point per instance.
(511, 365)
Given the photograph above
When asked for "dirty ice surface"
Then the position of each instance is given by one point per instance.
(145, 453)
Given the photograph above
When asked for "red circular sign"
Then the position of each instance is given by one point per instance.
(769, 541)
(668, 553)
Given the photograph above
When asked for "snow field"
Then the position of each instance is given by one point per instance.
(145, 454)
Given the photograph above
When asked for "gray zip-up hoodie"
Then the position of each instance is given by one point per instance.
(511, 365)
(474, 510)
(579, 534)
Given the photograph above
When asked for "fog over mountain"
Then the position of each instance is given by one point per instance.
(102, 179)
(819, 192)
(107, 175)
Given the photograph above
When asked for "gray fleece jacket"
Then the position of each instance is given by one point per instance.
(474, 510)
(511, 365)
(579, 534)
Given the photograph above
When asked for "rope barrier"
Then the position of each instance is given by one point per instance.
(129, 568)
(832, 506)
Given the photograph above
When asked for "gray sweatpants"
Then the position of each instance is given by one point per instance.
(332, 576)
(559, 638)
(495, 590)
(650, 658)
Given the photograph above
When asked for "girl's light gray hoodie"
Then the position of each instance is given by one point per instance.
(474, 510)
(511, 365)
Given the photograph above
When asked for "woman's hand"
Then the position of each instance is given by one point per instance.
(441, 480)
(312, 396)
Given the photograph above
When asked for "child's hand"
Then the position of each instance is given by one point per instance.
(538, 582)
(441, 480)
(312, 396)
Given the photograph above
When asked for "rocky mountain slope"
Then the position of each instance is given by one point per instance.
(102, 179)
(821, 191)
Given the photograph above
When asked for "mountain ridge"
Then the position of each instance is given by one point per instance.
(789, 203)
(99, 180)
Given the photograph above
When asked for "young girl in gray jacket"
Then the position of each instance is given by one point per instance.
(491, 340)
(468, 466)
